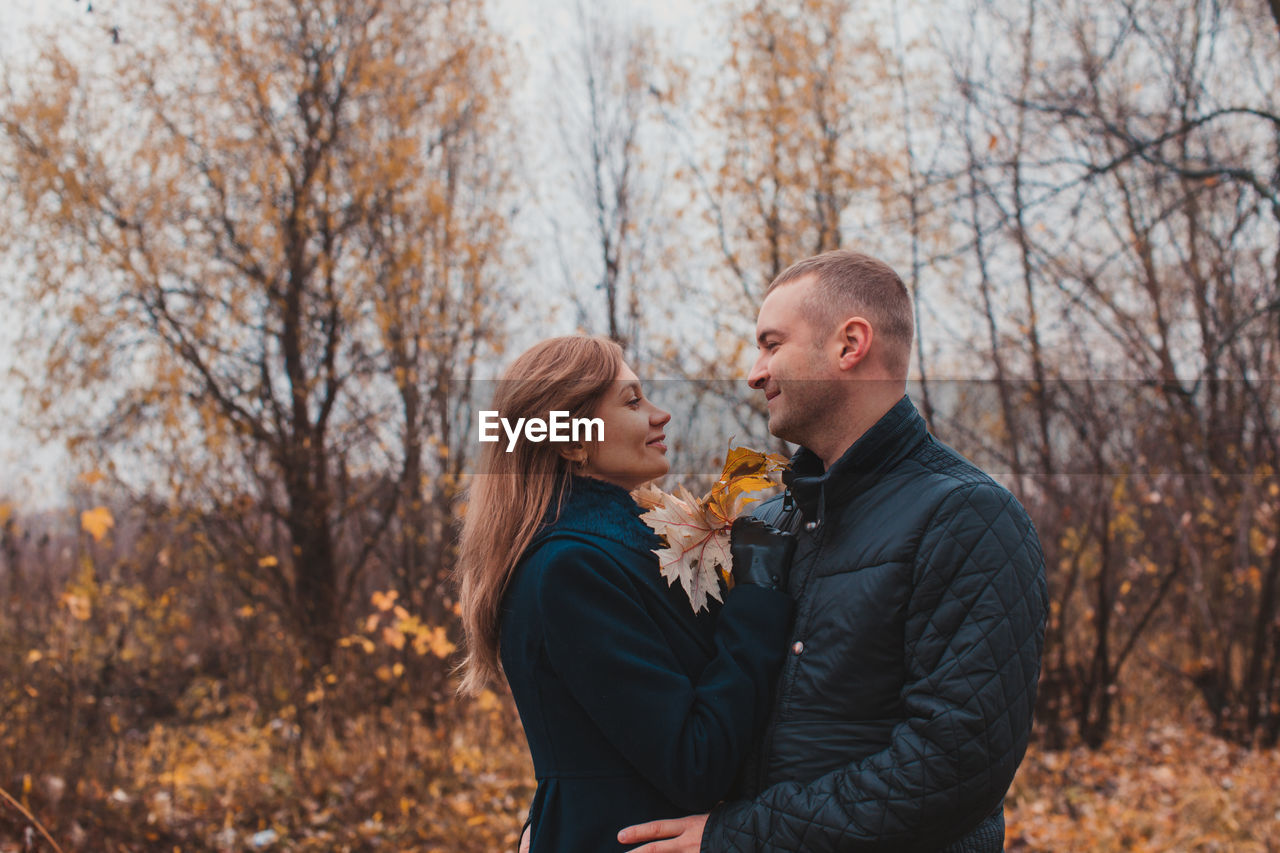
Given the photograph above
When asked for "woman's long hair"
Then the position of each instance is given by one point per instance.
(511, 493)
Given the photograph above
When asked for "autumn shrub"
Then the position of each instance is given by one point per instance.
(147, 703)
(143, 707)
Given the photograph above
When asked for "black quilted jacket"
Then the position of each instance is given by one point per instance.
(905, 703)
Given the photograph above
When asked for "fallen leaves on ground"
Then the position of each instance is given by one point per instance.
(1162, 787)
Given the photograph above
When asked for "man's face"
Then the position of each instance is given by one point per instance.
(794, 368)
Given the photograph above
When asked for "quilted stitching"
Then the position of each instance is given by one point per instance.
(974, 627)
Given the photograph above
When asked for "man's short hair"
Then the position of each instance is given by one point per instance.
(848, 283)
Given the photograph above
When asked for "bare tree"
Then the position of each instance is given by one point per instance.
(211, 205)
(1130, 182)
(607, 116)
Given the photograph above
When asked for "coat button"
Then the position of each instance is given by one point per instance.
(797, 648)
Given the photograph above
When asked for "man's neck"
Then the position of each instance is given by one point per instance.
(873, 401)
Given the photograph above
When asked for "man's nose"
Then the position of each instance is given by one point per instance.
(759, 374)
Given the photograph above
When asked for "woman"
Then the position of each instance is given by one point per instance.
(634, 708)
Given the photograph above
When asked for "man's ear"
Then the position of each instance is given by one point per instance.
(855, 336)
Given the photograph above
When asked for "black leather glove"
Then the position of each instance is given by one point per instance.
(761, 553)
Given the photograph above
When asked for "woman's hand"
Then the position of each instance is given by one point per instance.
(761, 553)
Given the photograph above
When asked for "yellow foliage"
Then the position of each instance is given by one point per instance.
(438, 643)
(393, 637)
(78, 606)
(366, 645)
(488, 701)
(1260, 542)
(96, 522)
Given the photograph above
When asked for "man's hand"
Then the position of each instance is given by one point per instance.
(524, 839)
(682, 835)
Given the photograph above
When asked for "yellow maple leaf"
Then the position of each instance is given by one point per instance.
(745, 471)
(697, 532)
(96, 522)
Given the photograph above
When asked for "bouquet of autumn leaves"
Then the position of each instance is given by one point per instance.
(696, 531)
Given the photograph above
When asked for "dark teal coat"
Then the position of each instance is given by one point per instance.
(634, 708)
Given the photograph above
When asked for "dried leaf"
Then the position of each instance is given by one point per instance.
(696, 532)
(96, 522)
(694, 555)
(745, 471)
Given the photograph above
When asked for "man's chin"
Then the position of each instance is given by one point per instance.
(779, 428)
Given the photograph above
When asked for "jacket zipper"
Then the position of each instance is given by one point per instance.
(766, 747)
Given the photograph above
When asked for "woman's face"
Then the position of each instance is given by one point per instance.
(632, 452)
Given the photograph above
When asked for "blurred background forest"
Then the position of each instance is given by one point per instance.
(259, 259)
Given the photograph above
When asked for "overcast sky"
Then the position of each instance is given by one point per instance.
(23, 464)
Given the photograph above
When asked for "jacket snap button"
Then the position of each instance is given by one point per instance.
(798, 647)
(811, 526)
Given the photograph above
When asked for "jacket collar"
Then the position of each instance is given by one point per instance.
(596, 508)
(879, 448)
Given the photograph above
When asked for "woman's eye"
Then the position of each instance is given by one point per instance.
(634, 402)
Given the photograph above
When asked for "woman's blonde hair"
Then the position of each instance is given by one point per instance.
(511, 493)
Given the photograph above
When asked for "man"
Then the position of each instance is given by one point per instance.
(905, 704)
